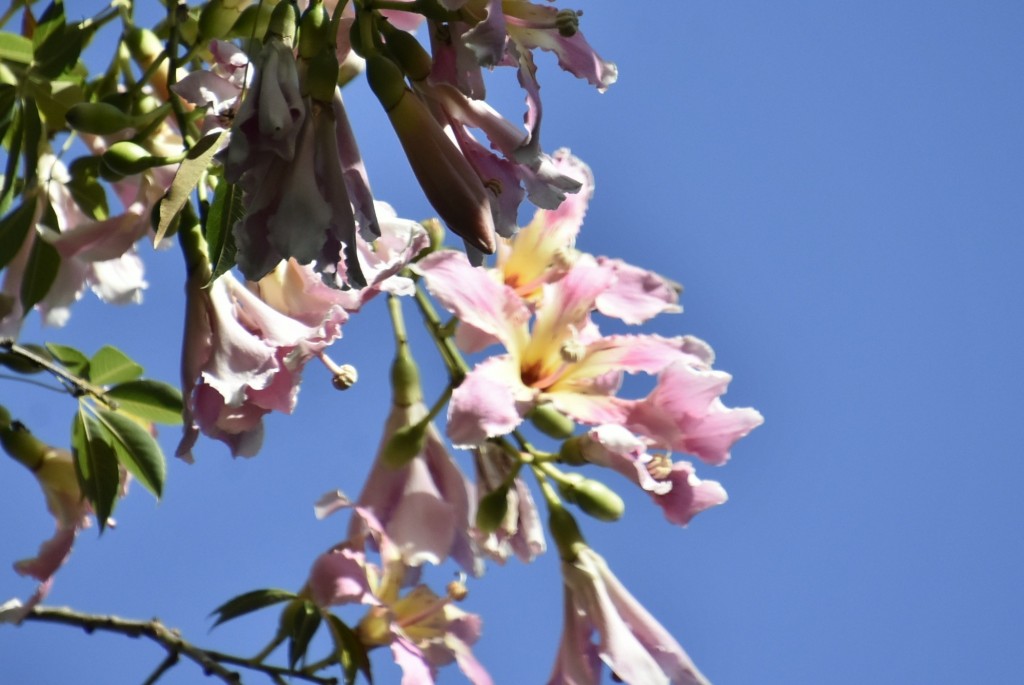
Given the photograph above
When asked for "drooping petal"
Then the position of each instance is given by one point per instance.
(490, 401)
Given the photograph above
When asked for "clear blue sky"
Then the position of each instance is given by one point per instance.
(840, 187)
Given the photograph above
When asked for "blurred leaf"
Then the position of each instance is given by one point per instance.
(96, 466)
(13, 229)
(186, 179)
(31, 138)
(351, 651)
(148, 399)
(85, 187)
(19, 364)
(40, 273)
(111, 365)
(16, 133)
(72, 360)
(225, 210)
(304, 624)
(249, 602)
(15, 48)
(48, 23)
(8, 96)
(54, 99)
(135, 449)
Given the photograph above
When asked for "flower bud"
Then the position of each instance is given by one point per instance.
(593, 497)
(411, 56)
(491, 510)
(283, 21)
(97, 118)
(447, 179)
(551, 422)
(565, 532)
(314, 31)
(217, 18)
(435, 231)
(22, 446)
(145, 48)
(571, 451)
(404, 445)
(405, 379)
(127, 158)
(322, 76)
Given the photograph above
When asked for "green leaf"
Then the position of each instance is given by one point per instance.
(59, 53)
(33, 135)
(48, 23)
(13, 229)
(15, 48)
(225, 211)
(148, 399)
(54, 99)
(72, 360)
(110, 365)
(249, 602)
(135, 449)
(351, 651)
(95, 465)
(185, 180)
(304, 624)
(8, 96)
(40, 273)
(13, 151)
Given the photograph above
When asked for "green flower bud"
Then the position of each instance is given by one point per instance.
(283, 22)
(217, 18)
(566, 533)
(386, 81)
(127, 158)
(314, 31)
(24, 447)
(593, 497)
(405, 379)
(551, 422)
(571, 451)
(491, 510)
(404, 445)
(411, 56)
(322, 76)
(5, 418)
(97, 118)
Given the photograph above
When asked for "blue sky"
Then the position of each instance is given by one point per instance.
(839, 188)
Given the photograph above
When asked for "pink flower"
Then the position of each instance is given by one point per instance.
(424, 507)
(423, 630)
(636, 648)
(561, 359)
(684, 412)
(674, 487)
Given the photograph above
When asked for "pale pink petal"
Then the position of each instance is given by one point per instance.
(689, 495)
(489, 402)
(415, 669)
(636, 295)
(331, 502)
(339, 577)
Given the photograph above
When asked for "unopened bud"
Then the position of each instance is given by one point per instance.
(145, 48)
(491, 510)
(551, 422)
(385, 79)
(5, 418)
(97, 118)
(593, 497)
(345, 377)
(314, 31)
(404, 445)
(565, 532)
(435, 231)
(217, 18)
(22, 446)
(283, 21)
(411, 56)
(127, 158)
(405, 379)
(322, 76)
(571, 451)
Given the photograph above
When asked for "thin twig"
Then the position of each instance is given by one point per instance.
(212, 662)
(80, 386)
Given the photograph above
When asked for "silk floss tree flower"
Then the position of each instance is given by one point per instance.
(423, 630)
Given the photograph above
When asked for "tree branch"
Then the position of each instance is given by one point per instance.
(212, 662)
